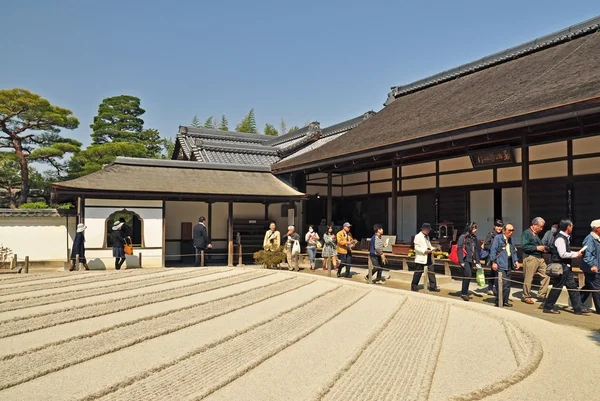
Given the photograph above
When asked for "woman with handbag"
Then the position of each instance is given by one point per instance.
(468, 257)
(329, 249)
(119, 244)
(312, 239)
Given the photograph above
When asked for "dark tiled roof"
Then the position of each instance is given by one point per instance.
(562, 74)
(214, 146)
(181, 177)
(34, 212)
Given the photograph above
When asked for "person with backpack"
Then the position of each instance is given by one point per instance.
(485, 254)
(376, 254)
(423, 257)
(504, 258)
(468, 257)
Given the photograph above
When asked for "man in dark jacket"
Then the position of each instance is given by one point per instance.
(201, 239)
(561, 254)
(533, 260)
(504, 258)
(79, 249)
(376, 254)
(487, 246)
(590, 265)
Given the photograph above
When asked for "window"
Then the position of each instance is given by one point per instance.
(133, 226)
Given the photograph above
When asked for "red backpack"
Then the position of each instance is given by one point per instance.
(454, 254)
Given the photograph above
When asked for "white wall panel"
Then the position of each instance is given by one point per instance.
(418, 169)
(418, 183)
(355, 190)
(509, 174)
(381, 187)
(183, 212)
(512, 210)
(470, 178)
(459, 163)
(385, 174)
(586, 166)
(355, 178)
(587, 145)
(482, 211)
(548, 170)
(548, 151)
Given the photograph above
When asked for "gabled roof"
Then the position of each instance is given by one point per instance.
(544, 75)
(161, 179)
(214, 146)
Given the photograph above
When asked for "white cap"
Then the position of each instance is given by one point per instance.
(595, 223)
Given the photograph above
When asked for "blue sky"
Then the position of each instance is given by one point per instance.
(304, 60)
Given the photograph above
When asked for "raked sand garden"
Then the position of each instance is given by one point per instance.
(253, 334)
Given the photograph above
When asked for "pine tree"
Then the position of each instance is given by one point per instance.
(248, 123)
(196, 121)
(293, 128)
(224, 126)
(283, 127)
(270, 130)
(209, 123)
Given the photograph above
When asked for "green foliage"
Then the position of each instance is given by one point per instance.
(169, 149)
(35, 205)
(95, 156)
(152, 142)
(283, 127)
(293, 128)
(209, 123)
(224, 125)
(196, 122)
(30, 126)
(10, 178)
(118, 120)
(248, 123)
(270, 259)
(270, 130)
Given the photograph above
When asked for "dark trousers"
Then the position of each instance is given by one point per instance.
(198, 255)
(564, 280)
(467, 272)
(345, 260)
(119, 262)
(592, 283)
(492, 280)
(505, 286)
(377, 270)
(417, 277)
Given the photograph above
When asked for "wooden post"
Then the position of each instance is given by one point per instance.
(77, 266)
(240, 261)
(500, 290)
(329, 197)
(202, 258)
(230, 235)
(394, 199)
(404, 264)
(140, 258)
(26, 267)
(426, 277)
(329, 265)
(370, 273)
(13, 262)
(525, 178)
(447, 270)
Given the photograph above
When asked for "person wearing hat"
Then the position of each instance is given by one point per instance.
(423, 257)
(487, 247)
(119, 235)
(293, 259)
(79, 248)
(590, 265)
(345, 243)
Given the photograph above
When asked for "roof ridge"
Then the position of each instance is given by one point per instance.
(553, 39)
(133, 161)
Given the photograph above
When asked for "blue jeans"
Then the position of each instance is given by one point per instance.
(346, 260)
(312, 254)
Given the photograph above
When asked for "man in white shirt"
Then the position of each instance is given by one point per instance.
(561, 254)
(423, 257)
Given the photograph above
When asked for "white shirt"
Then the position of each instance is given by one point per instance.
(561, 248)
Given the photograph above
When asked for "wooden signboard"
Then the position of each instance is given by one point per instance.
(492, 157)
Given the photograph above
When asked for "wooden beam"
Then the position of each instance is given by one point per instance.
(525, 178)
(164, 233)
(329, 197)
(394, 198)
(230, 235)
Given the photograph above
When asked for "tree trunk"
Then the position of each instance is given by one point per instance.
(23, 162)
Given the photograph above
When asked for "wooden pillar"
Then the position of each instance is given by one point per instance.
(570, 185)
(394, 198)
(210, 221)
(266, 210)
(329, 197)
(230, 235)
(525, 178)
(437, 191)
(164, 234)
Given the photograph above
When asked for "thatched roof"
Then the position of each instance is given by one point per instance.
(159, 179)
(564, 69)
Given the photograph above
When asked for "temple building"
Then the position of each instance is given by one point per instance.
(513, 135)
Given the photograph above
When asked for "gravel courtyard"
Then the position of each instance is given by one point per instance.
(251, 334)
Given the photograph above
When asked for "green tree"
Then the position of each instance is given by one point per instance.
(270, 130)
(196, 122)
(224, 125)
(154, 144)
(30, 126)
(95, 157)
(248, 123)
(293, 128)
(118, 120)
(169, 149)
(209, 123)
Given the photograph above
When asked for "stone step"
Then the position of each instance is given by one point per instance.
(406, 276)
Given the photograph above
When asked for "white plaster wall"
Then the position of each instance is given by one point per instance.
(458, 163)
(418, 183)
(43, 239)
(183, 212)
(275, 215)
(123, 203)
(384, 174)
(470, 178)
(381, 187)
(512, 210)
(509, 174)
(586, 166)
(418, 169)
(548, 151)
(407, 218)
(219, 220)
(482, 211)
(355, 178)
(355, 190)
(548, 170)
(586, 145)
(249, 211)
